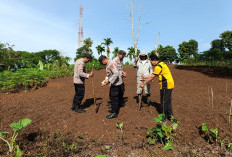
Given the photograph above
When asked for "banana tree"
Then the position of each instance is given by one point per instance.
(107, 42)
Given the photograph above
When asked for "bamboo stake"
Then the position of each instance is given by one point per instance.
(226, 87)
(230, 111)
(94, 99)
(209, 95)
(140, 101)
(212, 96)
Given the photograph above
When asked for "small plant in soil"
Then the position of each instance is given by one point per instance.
(17, 127)
(120, 126)
(227, 142)
(70, 147)
(211, 135)
(162, 133)
(101, 156)
(108, 147)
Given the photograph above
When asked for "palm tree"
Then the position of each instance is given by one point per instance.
(88, 43)
(100, 49)
(131, 52)
(116, 51)
(107, 42)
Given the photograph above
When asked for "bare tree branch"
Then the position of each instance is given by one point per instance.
(156, 48)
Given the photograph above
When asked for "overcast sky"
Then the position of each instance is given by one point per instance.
(36, 25)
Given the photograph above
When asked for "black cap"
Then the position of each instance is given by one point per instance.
(154, 58)
(122, 52)
(101, 58)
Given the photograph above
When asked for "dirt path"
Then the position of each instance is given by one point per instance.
(49, 108)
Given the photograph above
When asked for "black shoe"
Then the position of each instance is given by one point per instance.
(73, 107)
(110, 111)
(79, 110)
(113, 115)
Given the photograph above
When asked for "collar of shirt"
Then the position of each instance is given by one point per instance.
(143, 62)
(109, 62)
(82, 60)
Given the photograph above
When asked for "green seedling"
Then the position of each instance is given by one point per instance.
(160, 118)
(175, 123)
(229, 145)
(108, 147)
(210, 134)
(16, 128)
(101, 156)
(162, 132)
(120, 126)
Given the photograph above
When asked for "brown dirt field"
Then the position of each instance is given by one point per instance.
(49, 109)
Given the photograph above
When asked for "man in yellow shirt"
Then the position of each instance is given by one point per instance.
(166, 82)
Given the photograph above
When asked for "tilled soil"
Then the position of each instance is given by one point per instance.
(49, 109)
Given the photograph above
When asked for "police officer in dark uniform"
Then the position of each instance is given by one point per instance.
(79, 82)
(115, 81)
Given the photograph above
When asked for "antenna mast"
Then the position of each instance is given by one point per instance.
(80, 32)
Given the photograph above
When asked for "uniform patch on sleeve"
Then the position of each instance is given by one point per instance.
(111, 66)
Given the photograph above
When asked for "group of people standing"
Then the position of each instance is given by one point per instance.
(147, 70)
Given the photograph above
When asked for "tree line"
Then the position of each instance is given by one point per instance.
(12, 60)
(219, 54)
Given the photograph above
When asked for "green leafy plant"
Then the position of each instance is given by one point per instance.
(120, 126)
(101, 156)
(209, 134)
(108, 147)
(16, 128)
(162, 133)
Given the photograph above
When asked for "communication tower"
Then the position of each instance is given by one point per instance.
(80, 31)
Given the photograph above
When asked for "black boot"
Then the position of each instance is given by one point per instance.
(73, 107)
(79, 110)
(112, 115)
(110, 111)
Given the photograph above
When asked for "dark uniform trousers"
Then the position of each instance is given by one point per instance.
(121, 101)
(116, 97)
(122, 89)
(165, 101)
(79, 95)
